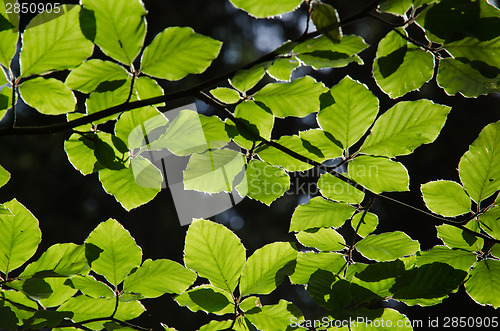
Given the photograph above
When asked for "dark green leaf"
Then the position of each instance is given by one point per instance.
(326, 20)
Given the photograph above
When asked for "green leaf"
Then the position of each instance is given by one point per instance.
(324, 239)
(298, 98)
(119, 253)
(155, 278)
(245, 80)
(266, 267)
(133, 186)
(59, 260)
(264, 182)
(398, 7)
(476, 50)
(379, 174)
(19, 236)
(89, 286)
(479, 167)
(328, 292)
(489, 221)
(354, 110)
(214, 171)
(457, 77)
(60, 292)
(177, 52)
(349, 45)
(369, 224)
(8, 36)
(4, 176)
(21, 305)
(326, 20)
(495, 251)
(207, 298)
(310, 262)
(321, 143)
(226, 95)
(446, 198)
(95, 75)
(266, 8)
(275, 317)
(5, 211)
(319, 212)
(483, 285)
(336, 189)
(398, 68)
(428, 284)
(249, 303)
(84, 308)
(404, 127)
(120, 27)
(457, 238)
(216, 325)
(282, 68)
(457, 258)
(54, 42)
(98, 101)
(387, 246)
(190, 133)
(48, 95)
(214, 252)
(258, 121)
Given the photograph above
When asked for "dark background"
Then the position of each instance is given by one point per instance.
(69, 206)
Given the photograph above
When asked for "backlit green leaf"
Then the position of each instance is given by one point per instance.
(457, 77)
(214, 252)
(324, 239)
(119, 253)
(264, 182)
(275, 317)
(490, 221)
(89, 286)
(19, 236)
(54, 42)
(266, 8)
(60, 292)
(225, 95)
(298, 98)
(336, 189)
(266, 268)
(326, 20)
(379, 174)
(4, 176)
(213, 171)
(323, 144)
(387, 246)
(309, 262)
(479, 167)
(8, 36)
(446, 198)
(400, 68)
(177, 52)
(476, 50)
(457, 238)
(207, 298)
(369, 224)
(457, 258)
(398, 7)
(132, 186)
(352, 113)
(215, 325)
(95, 75)
(282, 68)
(155, 278)
(120, 27)
(244, 80)
(484, 284)
(48, 95)
(258, 121)
(404, 127)
(58, 260)
(319, 212)
(98, 101)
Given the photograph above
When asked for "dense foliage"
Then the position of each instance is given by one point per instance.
(110, 106)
